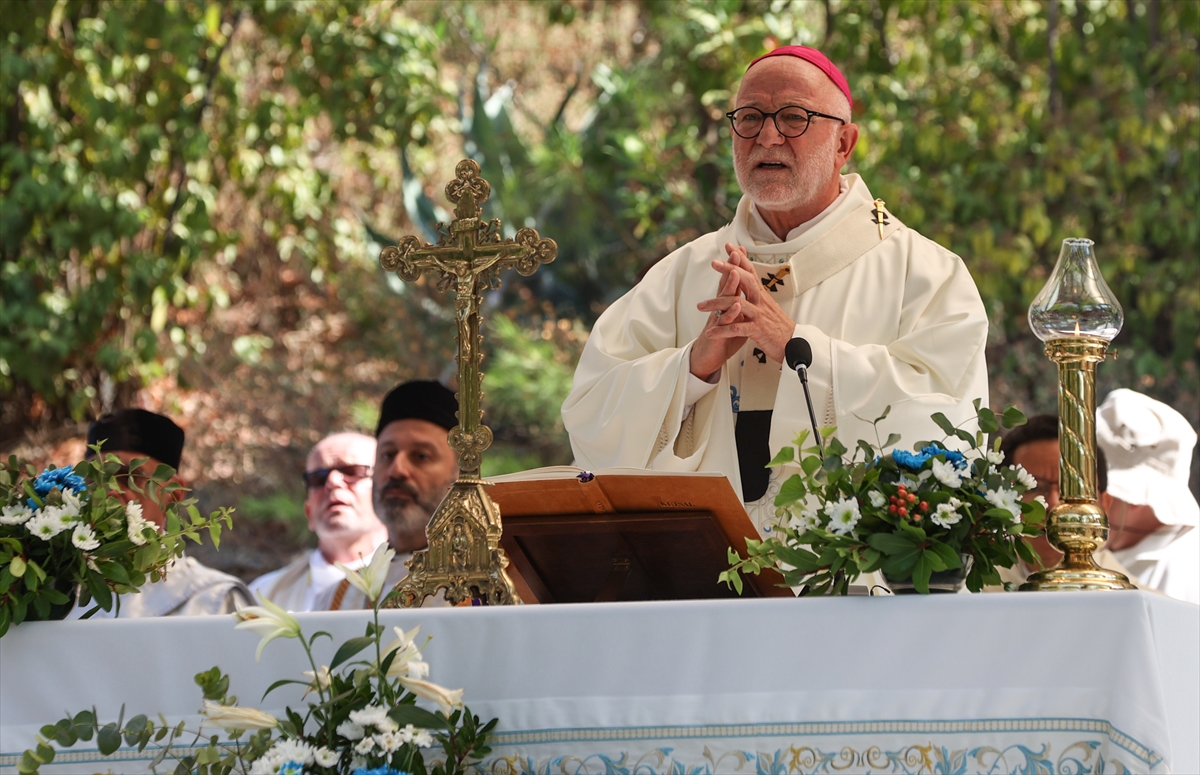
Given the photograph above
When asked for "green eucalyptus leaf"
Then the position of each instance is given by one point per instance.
(943, 422)
(1012, 417)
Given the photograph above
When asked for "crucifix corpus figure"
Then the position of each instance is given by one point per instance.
(464, 555)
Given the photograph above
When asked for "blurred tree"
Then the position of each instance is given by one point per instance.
(140, 138)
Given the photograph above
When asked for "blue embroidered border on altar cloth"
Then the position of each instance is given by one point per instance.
(1082, 746)
(1076, 746)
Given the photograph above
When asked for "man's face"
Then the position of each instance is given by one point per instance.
(789, 173)
(414, 468)
(1040, 458)
(340, 509)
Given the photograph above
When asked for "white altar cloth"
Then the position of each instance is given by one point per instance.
(1021, 682)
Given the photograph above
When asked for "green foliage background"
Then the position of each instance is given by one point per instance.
(194, 193)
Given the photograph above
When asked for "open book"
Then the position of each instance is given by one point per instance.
(623, 534)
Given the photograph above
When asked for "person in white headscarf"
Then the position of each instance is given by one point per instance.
(1154, 516)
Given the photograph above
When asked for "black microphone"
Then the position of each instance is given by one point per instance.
(798, 354)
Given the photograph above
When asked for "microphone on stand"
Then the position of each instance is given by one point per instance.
(798, 354)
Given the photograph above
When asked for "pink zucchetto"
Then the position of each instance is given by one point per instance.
(816, 58)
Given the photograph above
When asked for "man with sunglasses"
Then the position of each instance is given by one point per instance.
(190, 587)
(414, 468)
(684, 373)
(337, 477)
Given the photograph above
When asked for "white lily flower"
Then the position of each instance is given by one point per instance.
(370, 580)
(232, 717)
(318, 680)
(269, 621)
(408, 660)
(446, 699)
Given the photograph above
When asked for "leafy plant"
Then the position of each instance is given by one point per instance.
(909, 514)
(363, 719)
(71, 529)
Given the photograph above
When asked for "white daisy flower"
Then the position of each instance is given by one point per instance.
(1024, 478)
(85, 538)
(43, 527)
(876, 498)
(350, 730)
(422, 738)
(1007, 500)
(843, 515)
(296, 751)
(806, 521)
(136, 523)
(365, 746)
(1042, 500)
(388, 741)
(16, 514)
(947, 514)
(995, 457)
(372, 715)
(325, 757)
(946, 473)
(63, 515)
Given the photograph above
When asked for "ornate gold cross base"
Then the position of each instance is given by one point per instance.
(1077, 527)
(464, 555)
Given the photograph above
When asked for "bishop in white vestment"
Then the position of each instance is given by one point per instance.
(893, 319)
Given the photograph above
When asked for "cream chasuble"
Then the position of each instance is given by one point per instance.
(894, 321)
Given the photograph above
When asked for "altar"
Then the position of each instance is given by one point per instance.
(1064, 682)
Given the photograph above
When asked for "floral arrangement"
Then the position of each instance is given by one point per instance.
(909, 514)
(361, 716)
(68, 529)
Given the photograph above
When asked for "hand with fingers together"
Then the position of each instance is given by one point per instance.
(740, 311)
(709, 353)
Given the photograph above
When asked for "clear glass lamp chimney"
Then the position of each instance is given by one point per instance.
(1076, 301)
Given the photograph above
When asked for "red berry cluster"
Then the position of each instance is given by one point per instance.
(904, 504)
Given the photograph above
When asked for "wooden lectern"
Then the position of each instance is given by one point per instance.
(623, 534)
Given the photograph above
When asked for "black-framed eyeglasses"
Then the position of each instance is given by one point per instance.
(791, 121)
(317, 478)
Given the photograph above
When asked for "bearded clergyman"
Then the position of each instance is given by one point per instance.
(684, 372)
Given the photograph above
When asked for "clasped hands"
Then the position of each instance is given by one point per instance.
(742, 309)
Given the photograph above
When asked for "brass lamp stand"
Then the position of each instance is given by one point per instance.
(1076, 315)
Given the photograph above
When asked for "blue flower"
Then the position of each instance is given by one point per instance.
(64, 478)
(380, 770)
(291, 768)
(952, 456)
(906, 459)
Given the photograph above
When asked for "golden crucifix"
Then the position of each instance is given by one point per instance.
(464, 555)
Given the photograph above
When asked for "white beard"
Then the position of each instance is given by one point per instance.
(810, 178)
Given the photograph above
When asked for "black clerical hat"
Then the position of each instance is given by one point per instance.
(419, 400)
(136, 430)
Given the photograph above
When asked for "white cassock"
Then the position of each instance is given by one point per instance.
(307, 579)
(893, 322)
